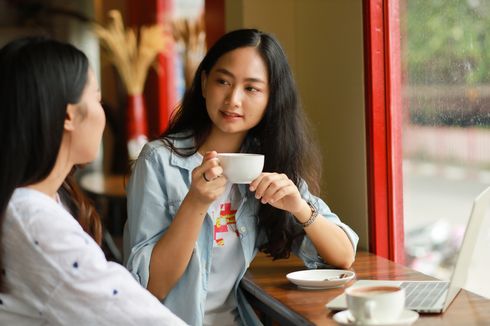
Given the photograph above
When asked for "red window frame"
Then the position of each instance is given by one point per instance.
(383, 127)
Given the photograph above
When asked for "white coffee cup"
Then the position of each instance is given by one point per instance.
(241, 167)
(375, 304)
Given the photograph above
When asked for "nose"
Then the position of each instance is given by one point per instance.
(234, 97)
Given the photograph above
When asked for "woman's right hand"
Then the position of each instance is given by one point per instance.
(178, 241)
(208, 181)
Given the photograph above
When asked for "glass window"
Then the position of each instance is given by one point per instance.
(445, 50)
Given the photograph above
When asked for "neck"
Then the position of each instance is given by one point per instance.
(222, 142)
(58, 174)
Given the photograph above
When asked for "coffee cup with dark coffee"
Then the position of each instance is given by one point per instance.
(375, 304)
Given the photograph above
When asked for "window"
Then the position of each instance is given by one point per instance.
(445, 92)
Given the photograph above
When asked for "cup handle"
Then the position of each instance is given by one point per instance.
(368, 310)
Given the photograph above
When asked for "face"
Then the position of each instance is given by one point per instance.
(236, 91)
(87, 123)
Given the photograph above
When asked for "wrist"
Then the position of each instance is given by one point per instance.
(307, 215)
(304, 213)
(197, 202)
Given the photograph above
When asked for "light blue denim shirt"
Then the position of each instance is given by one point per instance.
(158, 185)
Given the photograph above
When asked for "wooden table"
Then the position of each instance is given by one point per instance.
(269, 291)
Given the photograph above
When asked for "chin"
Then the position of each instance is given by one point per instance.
(231, 130)
(87, 159)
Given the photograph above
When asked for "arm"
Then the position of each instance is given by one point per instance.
(172, 252)
(336, 248)
(277, 190)
(104, 293)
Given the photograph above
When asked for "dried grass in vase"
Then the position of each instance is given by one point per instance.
(191, 33)
(131, 56)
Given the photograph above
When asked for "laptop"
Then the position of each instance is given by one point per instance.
(435, 296)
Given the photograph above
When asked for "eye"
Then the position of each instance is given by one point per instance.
(223, 81)
(252, 89)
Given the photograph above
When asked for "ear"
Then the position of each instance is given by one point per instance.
(204, 79)
(71, 111)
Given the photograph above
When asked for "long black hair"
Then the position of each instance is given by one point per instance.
(38, 79)
(282, 135)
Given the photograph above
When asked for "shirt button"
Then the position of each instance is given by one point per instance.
(243, 229)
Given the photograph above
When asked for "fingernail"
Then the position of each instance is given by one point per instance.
(252, 188)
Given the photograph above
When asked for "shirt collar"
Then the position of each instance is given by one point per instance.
(190, 162)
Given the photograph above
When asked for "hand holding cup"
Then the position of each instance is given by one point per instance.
(207, 184)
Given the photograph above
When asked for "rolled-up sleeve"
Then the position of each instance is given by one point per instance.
(306, 250)
(148, 216)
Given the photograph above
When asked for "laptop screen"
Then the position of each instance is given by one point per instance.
(473, 262)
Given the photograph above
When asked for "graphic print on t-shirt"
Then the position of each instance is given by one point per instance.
(225, 224)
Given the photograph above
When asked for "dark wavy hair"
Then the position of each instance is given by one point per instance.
(282, 135)
(38, 79)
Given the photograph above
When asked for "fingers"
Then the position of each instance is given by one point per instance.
(270, 187)
(209, 155)
(209, 172)
(210, 168)
(207, 185)
(212, 173)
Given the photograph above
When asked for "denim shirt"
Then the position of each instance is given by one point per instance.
(159, 182)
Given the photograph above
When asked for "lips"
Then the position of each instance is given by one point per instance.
(231, 114)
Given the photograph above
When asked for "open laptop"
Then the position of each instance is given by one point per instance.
(435, 296)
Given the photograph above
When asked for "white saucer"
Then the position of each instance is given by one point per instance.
(316, 279)
(408, 317)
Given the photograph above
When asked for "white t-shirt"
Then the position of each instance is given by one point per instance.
(227, 260)
(57, 275)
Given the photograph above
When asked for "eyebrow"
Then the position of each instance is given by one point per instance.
(249, 79)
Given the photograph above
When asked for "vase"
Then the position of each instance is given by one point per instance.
(137, 128)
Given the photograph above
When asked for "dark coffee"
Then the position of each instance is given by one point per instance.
(373, 290)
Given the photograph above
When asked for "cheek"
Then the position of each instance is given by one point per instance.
(212, 104)
(94, 124)
(98, 116)
(102, 118)
(261, 105)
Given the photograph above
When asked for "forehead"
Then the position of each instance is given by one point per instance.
(243, 62)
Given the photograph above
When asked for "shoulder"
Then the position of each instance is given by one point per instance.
(35, 211)
(162, 153)
(41, 219)
(43, 239)
(160, 147)
(154, 149)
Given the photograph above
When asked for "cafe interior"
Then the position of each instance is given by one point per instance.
(396, 94)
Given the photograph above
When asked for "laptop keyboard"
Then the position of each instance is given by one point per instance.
(423, 294)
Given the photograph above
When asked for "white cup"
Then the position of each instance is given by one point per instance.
(375, 304)
(241, 167)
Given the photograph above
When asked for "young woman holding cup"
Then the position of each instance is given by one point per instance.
(191, 234)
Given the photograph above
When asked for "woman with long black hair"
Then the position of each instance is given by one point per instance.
(53, 271)
(243, 99)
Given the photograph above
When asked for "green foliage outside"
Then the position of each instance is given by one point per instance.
(448, 41)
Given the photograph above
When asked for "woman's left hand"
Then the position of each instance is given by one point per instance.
(278, 191)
